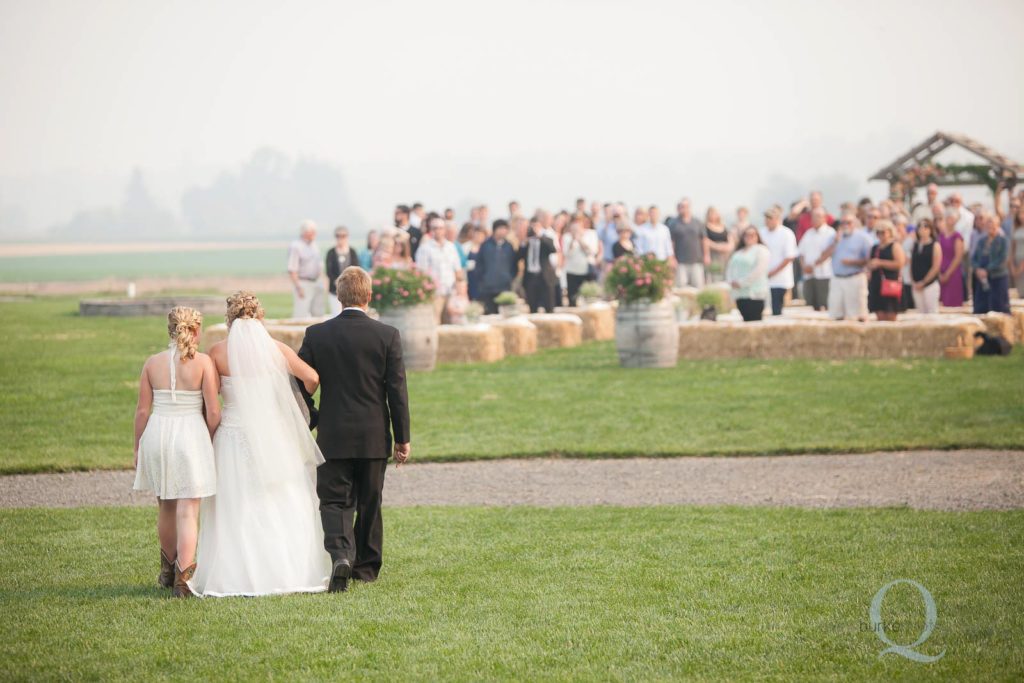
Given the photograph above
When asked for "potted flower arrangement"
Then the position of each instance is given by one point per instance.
(590, 292)
(712, 301)
(404, 299)
(646, 332)
(473, 312)
(508, 304)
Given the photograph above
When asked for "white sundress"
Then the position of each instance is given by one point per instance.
(175, 452)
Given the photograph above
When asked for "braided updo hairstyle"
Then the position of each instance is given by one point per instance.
(183, 327)
(243, 304)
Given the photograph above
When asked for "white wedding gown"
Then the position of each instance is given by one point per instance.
(261, 533)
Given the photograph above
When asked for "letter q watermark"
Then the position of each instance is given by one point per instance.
(930, 618)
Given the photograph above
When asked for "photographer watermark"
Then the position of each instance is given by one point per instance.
(930, 618)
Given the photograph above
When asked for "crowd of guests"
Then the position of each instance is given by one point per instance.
(873, 258)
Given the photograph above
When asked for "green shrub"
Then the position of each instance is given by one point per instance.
(713, 296)
(506, 299)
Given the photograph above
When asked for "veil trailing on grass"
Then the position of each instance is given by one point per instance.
(269, 407)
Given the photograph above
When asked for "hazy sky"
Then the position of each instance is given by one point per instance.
(448, 102)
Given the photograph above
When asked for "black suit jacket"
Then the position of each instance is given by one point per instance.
(334, 269)
(547, 271)
(363, 396)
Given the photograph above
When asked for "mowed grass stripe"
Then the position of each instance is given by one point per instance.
(69, 389)
(530, 594)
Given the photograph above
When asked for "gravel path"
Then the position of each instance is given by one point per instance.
(934, 480)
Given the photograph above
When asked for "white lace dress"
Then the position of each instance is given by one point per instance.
(175, 453)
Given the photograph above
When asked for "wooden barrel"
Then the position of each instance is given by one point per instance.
(646, 335)
(418, 328)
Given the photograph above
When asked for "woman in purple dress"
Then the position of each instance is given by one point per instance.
(951, 291)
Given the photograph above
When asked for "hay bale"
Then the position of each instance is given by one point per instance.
(213, 334)
(1018, 319)
(776, 338)
(959, 352)
(927, 336)
(478, 343)
(289, 334)
(555, 330)
(1002, 324)
(884, 340)
(292, 335)
(519, 334)
(779, 338)
(598, 321)
(706, 340)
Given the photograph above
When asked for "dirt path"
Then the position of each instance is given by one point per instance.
(937, 480)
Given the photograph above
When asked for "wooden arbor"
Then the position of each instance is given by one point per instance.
(916, 168)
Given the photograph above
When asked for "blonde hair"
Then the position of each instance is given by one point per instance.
(183, 327)
(354, 287)
(243, 304)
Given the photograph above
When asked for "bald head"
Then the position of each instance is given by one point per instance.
(817, 217)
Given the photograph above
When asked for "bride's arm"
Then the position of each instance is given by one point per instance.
(211, 387)
(299, 368)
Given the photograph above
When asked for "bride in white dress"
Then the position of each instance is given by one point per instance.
(261, 533)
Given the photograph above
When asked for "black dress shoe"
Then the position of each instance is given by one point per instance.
(340, 574)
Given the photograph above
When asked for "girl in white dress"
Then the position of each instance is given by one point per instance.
(173, 452)
(261, 533)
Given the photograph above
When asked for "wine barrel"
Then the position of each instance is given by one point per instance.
(418, 328)
(647, 335)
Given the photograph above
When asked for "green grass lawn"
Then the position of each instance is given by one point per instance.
(69, 390)
(532, 594)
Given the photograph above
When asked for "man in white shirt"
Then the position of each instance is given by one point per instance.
(417, 215)
(653, 237)
(924, 209)
(816, 275)
(781, 243)
(438, 258)
(304, 266)
(965, 219)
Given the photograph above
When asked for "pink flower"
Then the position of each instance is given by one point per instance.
(379, 297)
(376, 283)
(405, 292)
(622, 270)
(639, 281)
(387, 280)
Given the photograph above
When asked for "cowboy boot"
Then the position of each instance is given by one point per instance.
(166, 576)
(181, 576)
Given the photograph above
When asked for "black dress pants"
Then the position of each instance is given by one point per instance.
(574, 283)
(539, 294)
(351, 492)
(750, 309)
